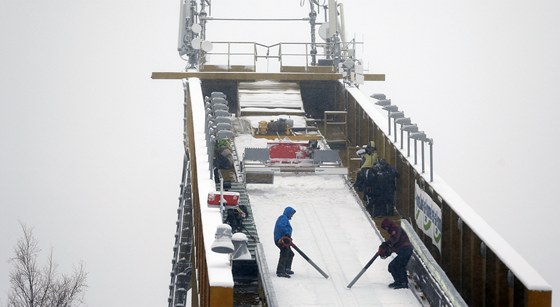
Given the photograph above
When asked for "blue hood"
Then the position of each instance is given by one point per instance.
(282, 226)
(289, 212)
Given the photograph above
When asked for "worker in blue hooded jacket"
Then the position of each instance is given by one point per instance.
(283, 239)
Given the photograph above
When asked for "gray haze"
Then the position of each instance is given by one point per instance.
(91, 147)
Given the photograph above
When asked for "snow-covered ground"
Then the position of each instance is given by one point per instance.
(332, 229)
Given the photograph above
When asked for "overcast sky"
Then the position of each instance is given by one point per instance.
(91, 146)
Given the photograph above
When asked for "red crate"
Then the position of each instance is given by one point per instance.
(230, 198)
(288, 150)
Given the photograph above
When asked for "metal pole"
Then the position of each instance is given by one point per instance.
(422, 157)
(309, 260)
(415, 154)
(408, 144)
(431, 160)
(362, 271)
(312, 18)
(408, 127)
(395, 128)
(389, 121)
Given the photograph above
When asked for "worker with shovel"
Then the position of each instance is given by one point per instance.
(399, 243)
(283, 240)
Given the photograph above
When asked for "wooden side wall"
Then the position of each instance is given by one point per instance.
(477, 272)
(203, 294)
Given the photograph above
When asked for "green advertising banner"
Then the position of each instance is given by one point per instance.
(427, 215)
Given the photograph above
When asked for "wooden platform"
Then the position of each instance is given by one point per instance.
(248, 76)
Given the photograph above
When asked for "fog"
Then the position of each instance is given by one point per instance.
(91, 146)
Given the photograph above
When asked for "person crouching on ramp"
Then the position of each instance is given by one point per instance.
(399, 243)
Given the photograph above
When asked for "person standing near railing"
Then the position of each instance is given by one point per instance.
(399, 243)
(368, 157)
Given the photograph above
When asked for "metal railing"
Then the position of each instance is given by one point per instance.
(236, 56)
(181, 270)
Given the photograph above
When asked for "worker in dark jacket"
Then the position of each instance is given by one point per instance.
(368, 157)
(399, 243)
(374, 190)
(381, 185)
(283, 240)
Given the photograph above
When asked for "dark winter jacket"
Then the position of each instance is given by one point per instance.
(398, 239)
(282, 226)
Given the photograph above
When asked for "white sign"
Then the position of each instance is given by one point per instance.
(427, 215)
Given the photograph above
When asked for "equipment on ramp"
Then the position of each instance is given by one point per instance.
(362, 271)
(309, 260)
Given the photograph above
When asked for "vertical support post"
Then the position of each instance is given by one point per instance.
(422, 157)
(408, 144)
(389, 121)
(395, 129)
(415, 153)
(431, 160)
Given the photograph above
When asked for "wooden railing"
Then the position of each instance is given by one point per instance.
(203, 293)
(482, 273)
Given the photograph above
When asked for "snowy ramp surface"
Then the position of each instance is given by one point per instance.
(332, 230)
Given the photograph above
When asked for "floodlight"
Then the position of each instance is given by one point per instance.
(378, 96)
(398, 114)
(402, 121)
(383, 102)
(391, 108)
(420, 136)
(410, 128)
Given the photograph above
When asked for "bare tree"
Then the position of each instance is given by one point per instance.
(32, 286)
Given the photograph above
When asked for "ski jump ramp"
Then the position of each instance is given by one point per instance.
(331, 228)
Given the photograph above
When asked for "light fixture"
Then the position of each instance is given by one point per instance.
(421, 136)
(241, 252)
(402, 121)
(409, 129)
(406, 125)
(389, 109)
(378, 96)
(383, 102)
(222, 243)
(431, 142)
(395, 116)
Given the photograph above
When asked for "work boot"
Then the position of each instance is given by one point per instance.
(283, 274)
(402, 285)
(289, 272)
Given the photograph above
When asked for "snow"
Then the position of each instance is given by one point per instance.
(270, 93)
(510, 257)
(336, 233)
(344, 240)
(333, 231)
(330, 227)
(219, 269)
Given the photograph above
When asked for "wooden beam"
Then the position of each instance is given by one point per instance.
(374, 77)
(249, 76)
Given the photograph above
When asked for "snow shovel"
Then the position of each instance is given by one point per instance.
(362, 271)
(309, 260)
